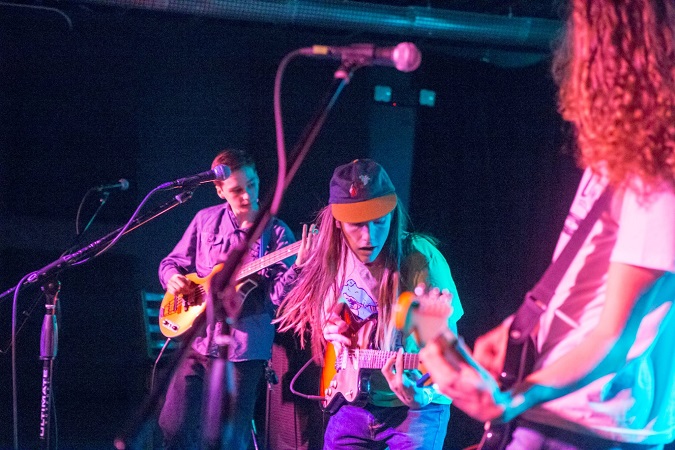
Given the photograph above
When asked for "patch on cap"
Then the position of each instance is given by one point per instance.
(361, 191)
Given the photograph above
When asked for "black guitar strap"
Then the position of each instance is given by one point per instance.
(265, 238)
(537, 299)
(520, 349)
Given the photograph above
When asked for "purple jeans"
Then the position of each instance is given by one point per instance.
(398, 428)
(181, 416)
(533, 436)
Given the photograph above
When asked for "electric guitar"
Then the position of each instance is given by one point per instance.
(178, 313)
(518, 363)
(345, 378)
(347, 381)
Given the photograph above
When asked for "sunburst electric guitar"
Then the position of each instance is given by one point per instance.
(177, 313)
(345, 377)
(347, 380)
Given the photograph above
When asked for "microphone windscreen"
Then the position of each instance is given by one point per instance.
(406, 57)
(222, 172)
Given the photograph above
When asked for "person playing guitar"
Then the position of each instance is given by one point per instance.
(362, 256)
(604, 372)
(212, 233)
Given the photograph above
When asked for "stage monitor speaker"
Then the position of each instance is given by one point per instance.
(154, 338)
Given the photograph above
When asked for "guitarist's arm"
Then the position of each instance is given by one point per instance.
(424, 266)
(181, 260)
(605, 349)
(601, 353)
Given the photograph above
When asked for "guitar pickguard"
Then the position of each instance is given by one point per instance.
(350, 385)
(351, 375)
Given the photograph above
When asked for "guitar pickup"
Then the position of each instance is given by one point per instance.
(194, 298)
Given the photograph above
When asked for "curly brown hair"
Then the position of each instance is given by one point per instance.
(615, 67)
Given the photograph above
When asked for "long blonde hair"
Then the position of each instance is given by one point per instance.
(318, 286)
(616, 71)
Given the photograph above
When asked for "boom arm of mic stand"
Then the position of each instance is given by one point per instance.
(87, 251)
(312, 129)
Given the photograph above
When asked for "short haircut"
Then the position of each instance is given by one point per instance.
(235, 159)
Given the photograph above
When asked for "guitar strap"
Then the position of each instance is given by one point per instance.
(265, 238)
(537, 299)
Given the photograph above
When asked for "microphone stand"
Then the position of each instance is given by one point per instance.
(51, 287)
(225, 303)
(84, 253)
(49, 340)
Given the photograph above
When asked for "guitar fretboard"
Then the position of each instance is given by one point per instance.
(267, 260)
(376, 359)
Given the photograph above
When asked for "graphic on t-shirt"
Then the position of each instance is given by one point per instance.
(358, 300)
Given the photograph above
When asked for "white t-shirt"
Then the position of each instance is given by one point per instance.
(637, 404)
(360, 291)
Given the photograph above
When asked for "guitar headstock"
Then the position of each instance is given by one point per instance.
(423, 313)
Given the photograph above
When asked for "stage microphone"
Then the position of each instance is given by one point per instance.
(122, 185)
(220, 173)
(405, 56)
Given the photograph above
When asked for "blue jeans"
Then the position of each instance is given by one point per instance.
(398, 428)
(533, 436)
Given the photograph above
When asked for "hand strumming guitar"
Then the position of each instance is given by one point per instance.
(178, 284)
(334, 327)
(469, 391)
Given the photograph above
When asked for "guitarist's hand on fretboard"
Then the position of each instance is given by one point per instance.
(474, 393)
(405, 388)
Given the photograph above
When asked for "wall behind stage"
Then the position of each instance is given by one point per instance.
(152, 97)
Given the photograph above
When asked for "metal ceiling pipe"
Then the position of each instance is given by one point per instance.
(407, 21)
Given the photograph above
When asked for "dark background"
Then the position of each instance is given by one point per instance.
(154, 96)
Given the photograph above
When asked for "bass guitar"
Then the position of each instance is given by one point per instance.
(177, 313)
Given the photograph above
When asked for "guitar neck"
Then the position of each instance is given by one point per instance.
(376, 359)
(267, 260)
